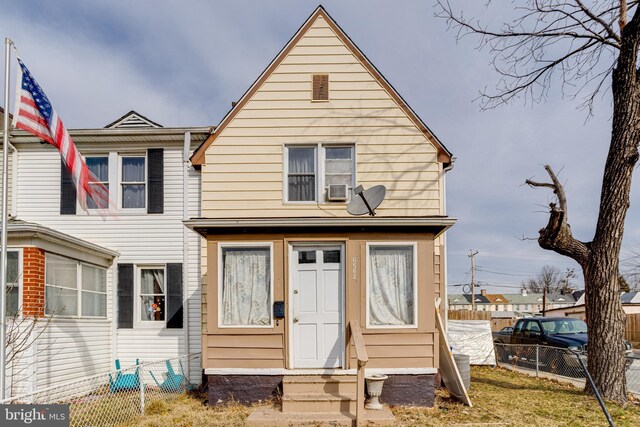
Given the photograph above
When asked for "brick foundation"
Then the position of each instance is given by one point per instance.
(245, 389)
(32, 282)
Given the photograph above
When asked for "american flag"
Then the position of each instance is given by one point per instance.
(34, 114)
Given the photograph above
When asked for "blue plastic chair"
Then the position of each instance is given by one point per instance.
(174, 383)
(124, 382)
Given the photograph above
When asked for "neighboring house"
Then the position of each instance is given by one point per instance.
(522, 304)
(498, 302)
(119, 283)
(463, 302)
(630, 304)
(289, 271)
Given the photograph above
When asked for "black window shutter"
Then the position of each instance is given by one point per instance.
(155, 157)
(125, 296)
(174, 295)
(67, 192)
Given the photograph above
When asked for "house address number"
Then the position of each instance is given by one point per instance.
(354, 268)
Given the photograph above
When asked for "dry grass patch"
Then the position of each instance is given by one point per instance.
(500, 398)
(505, 398)
(189, 410)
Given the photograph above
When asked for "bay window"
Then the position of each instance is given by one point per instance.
(73, 288)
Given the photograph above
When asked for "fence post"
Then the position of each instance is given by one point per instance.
(537, 359)
(141, 393)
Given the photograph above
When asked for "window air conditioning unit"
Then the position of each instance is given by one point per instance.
(337, 192)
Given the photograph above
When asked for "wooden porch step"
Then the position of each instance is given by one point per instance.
(319, 402)
(311, 384)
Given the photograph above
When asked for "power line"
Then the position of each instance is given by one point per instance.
(503, 274)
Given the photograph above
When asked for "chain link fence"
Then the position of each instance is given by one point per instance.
(559, 363)
(121, 395)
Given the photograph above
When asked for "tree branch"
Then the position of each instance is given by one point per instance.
(556, 236)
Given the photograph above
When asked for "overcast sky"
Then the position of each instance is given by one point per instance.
(182, 63)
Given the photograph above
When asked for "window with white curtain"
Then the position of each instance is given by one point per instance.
(301, 174)
(99, 166)
(310, 169)
(245, 289)
(152, 295)
(73, 288)
(133, 181)
(12, 280)
(391, 285)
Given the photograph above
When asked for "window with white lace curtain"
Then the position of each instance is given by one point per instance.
(152, 295)
(73, 288)
(391, 285)
(245, 290)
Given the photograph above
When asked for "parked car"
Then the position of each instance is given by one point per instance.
(560, 332)
(507, 330)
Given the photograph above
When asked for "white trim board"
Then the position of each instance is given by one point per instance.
(281, 371)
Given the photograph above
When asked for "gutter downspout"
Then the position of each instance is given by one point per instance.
(444, 241)
(186, 149)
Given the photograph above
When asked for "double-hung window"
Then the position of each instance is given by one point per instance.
(152, 295)
(73, 288)
(13, 282)
(133, 182)
(99, 167)
(245, 290)
(391, 285)
(312, 168)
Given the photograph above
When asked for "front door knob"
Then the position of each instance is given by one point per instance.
(295, 320)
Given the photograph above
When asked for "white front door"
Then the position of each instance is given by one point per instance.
(317, 295)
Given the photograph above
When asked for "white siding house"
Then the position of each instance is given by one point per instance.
(152, 188)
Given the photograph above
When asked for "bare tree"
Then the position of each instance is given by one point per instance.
(551, 278)
(585, 46)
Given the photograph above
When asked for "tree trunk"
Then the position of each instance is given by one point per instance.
(605, 316)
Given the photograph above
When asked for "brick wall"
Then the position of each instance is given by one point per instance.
(33, 282)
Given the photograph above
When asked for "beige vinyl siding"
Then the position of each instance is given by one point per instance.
(268, 347)
(414, 350)
(244, 167)
(245, 351)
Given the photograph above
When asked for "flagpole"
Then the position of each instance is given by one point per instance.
(3, 219)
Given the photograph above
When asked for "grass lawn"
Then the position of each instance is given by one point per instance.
(500, 398)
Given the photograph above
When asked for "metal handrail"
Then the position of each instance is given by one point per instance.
(362, 357)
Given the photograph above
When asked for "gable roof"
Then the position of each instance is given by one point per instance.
(132, 120)
(497, 299)
(444, 155)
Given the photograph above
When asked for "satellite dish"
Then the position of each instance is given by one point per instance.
(366, 201)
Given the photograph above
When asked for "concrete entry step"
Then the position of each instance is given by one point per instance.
(273, 417)
(304, 384)
(318, 402)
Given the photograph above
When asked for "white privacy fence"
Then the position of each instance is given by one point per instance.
(121, 395)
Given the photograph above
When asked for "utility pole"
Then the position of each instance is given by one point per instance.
(472, 255)
(544, 299)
